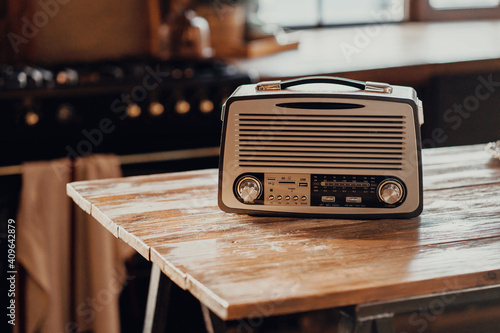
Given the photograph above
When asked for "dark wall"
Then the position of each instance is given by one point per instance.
(461, 110)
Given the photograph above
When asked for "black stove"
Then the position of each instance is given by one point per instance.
(121, 107)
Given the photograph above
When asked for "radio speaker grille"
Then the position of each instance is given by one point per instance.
(336, 141)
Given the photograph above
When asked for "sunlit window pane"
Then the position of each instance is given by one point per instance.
(455, 4)
(289, 12)
(362, 11)
(295, 13)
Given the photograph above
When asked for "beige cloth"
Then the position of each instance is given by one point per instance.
(61, 294)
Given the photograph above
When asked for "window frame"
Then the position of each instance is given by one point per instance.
(423, 11)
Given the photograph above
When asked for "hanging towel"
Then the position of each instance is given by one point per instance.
(43, 248)
(99, 257)
(73, 267)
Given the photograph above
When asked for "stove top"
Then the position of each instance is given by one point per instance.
(120, 107)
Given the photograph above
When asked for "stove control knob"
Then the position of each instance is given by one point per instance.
(390, 191)
(248, 188)
(182, 106)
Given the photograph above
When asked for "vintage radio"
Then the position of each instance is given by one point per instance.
(322, 146)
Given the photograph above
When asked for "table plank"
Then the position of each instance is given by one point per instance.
(110, 200)
(241, 266)
(245, 285)
(459, 166)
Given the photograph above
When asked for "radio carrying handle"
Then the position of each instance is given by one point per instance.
(366, 86)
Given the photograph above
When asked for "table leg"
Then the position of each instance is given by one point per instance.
(157, 304)
(213, 323)
(349, 323)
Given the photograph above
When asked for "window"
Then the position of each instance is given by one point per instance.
(313, 13)
(302, 13)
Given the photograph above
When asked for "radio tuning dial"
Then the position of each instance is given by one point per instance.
(249, 188)
(390, 192)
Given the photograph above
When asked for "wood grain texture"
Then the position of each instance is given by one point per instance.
(242, 266)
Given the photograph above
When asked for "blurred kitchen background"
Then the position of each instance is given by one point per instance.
(145, 80)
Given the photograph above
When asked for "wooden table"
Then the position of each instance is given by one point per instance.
(240, 266)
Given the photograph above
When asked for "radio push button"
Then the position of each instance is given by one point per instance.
(328, 198)
(353, 199)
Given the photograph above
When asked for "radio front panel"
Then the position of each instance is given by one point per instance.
(334, 156)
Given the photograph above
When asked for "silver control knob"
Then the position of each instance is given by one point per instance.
(249, 188)
(390, 192)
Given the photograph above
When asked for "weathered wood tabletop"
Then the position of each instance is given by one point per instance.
(241, 266)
